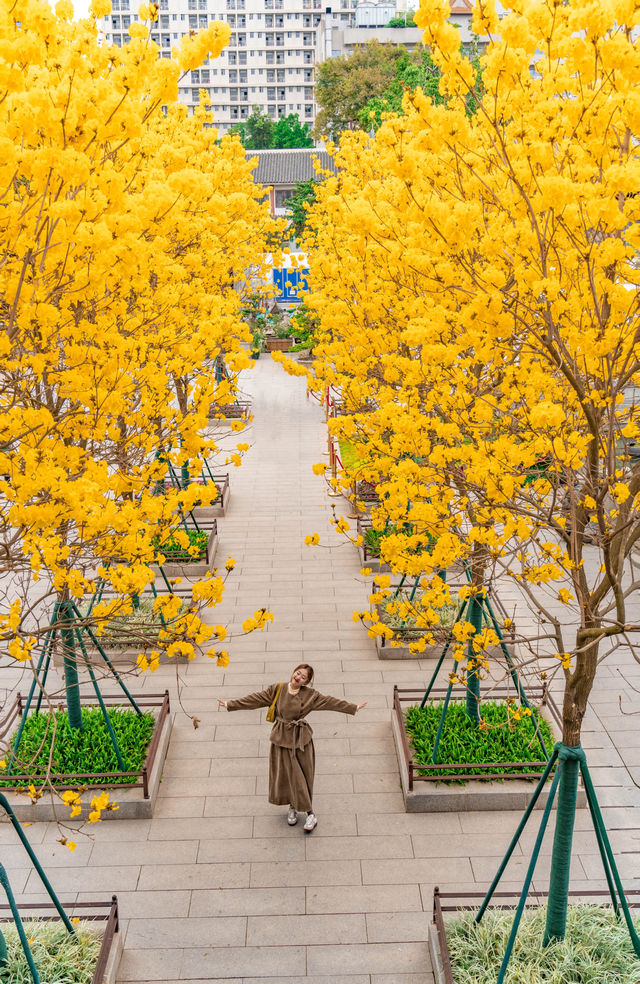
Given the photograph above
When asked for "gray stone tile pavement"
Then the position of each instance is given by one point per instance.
(216, 887)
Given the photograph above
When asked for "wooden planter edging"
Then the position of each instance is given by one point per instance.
(238, 410)
(366, 494)
(110, 952)
(132, 805)
(367, 559)
(445, 902)
(278, 344)
(189, 568)
(486, 789)
(385, 650)
(219, 507)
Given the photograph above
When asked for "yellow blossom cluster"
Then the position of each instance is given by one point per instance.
(474, 270)
(127, 229)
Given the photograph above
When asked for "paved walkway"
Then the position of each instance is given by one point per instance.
(217, 887)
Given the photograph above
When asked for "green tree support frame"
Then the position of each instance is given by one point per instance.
(66, 621)
(569, 762)
(4, 881)
(477, 608)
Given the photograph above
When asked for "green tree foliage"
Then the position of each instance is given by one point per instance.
(413, 71)
(345, 85)
(257, 132)
(290, 132)
(403, 20)
(297, 206)
(260, 132)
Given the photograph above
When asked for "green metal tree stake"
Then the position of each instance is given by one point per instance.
(105, 715)
(571, 762)
(441, 660)
(106, 659)
(45, 658)
(4, 881)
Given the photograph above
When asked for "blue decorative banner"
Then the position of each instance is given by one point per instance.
(288, 283)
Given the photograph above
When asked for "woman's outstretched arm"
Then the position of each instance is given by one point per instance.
(251, 702)
(324, 703)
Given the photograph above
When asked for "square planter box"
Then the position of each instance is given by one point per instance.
(136, 799)
(385, 650)
(238, 410)
(278, 344)
(366, 494)
(110, 952)
(367, 559)
(219, 507)
(187, 568)
(445, 903)
(486, 790)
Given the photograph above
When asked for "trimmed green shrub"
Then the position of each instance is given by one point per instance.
(500, 737)
(74, 751)
(173, 550)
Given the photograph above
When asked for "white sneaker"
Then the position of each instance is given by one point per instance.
(292, 817)
(310, 823)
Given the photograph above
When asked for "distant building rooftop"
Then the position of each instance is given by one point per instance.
(287, 167)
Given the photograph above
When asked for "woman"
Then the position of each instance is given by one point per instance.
(292, 758)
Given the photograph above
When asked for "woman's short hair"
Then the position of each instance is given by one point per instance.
(309, 669)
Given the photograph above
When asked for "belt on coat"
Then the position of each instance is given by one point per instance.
(298, 725)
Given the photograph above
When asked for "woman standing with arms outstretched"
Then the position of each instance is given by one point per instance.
(292, 757)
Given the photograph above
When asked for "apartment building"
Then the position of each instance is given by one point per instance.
(275, 45)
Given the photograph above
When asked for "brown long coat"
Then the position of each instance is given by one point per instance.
(292, 757)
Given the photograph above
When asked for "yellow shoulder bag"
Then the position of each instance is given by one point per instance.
(271, 713)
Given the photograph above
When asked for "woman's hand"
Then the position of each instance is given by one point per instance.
(221, 701)
(360, 706)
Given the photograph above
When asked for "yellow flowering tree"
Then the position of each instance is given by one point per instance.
(476, 279)
(126, 235)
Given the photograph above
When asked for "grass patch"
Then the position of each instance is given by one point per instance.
(373, 540)
(596, 950)
(59, 957)
(197, 549)
(504, 739)
(348, 455)
(139, 628)
(403, 615)
(89, 750)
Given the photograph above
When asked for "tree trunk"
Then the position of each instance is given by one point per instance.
(562, 848)
(577, 689)
(71, 682)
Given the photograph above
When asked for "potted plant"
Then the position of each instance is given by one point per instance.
(278, 337)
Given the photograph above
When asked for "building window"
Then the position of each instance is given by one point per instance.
(282, 196)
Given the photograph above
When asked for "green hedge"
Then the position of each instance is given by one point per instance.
(89, 750)
(504, 739)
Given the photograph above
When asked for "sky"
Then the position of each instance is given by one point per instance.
(80, 8)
